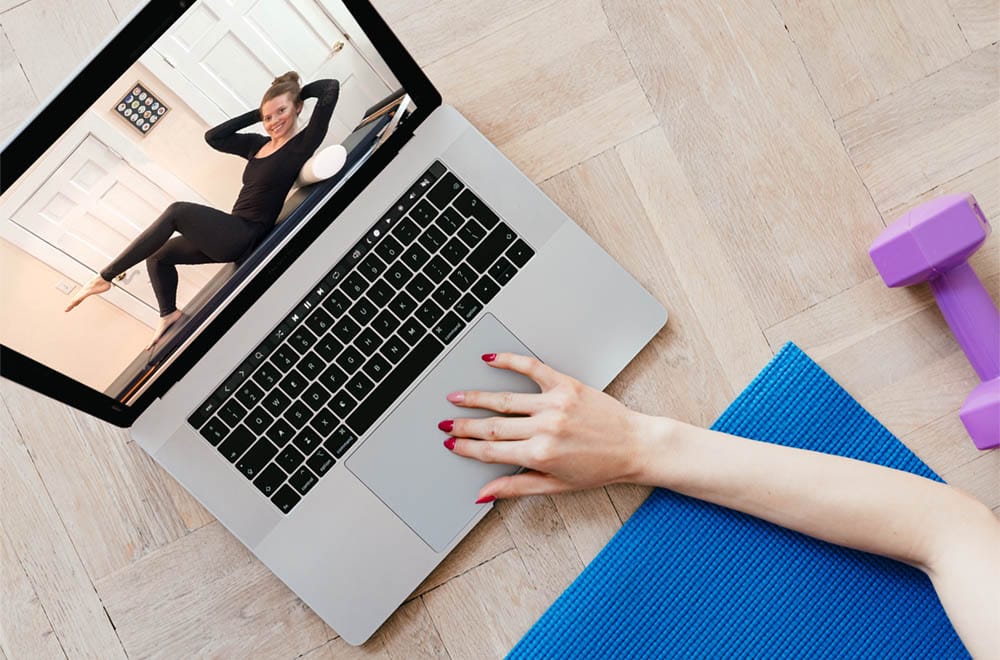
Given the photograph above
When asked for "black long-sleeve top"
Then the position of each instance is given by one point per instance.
(267, 180)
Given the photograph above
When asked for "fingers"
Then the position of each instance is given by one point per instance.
(528, 366)
(493, 428)
(518, 485)
(502, 402)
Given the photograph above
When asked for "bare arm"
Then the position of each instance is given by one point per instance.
(571, 436)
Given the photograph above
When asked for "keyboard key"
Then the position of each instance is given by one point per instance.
(316, 396)
(448, 327)
(371, 267)
(321, 462)
(303, 480)
(279, 433)
(232, 412)
(249, 394)
(205, 411)
(398, 275)
(319, 322)
(340, 441)
(214, 431)
(389, 249)
(380, 293)
(454, 251)
(437, 269)
(385, 323)
(411, 332)
(429, 313)
(492, 247)
(298, 414)
(422, 213)
(471, 233)
(337, 304)
(237, 442)
(467, 307)
(276, 402)
(419, 287)
(376, 367)
(252, 462)
(445, 190)
(502, 271)
(445, 295)
(368, 341)
(286, 498)
(485, 289)
(360, 386)
(463, 277)
(394, 349)
(324, 422)
(258, 420)
(269, 480)
(307, 440)
(346, 329)
(350, 360)
(290, 459)
(362, 312)
(406, 231)
(311, 365)
(293, 383)
(333, 378)
(472, 207)
(394, 384)
(354, 285)
(284, 358)
(415, 257)
(434, 172)
(432, 239)
(266, 376)
(342, 404)
(520, 253)
(450, 221)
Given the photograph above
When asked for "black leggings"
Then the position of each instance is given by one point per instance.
(207, 236)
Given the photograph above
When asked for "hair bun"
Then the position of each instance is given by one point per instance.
(289, 77)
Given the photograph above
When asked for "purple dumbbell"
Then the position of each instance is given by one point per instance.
(932, 243)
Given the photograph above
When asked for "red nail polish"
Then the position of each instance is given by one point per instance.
(447, 425)
(450, 444)
(489, 357)
(485, 500)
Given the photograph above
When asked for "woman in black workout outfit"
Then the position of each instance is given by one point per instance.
(209, 235)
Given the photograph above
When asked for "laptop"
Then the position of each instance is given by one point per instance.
(298, 399)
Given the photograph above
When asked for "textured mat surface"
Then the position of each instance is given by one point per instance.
(683, 578)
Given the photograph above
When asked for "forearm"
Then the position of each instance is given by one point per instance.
(843, 501)
(217, 133)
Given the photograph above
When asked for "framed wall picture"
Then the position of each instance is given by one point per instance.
(141, 109)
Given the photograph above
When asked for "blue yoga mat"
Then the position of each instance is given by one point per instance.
(683, 578)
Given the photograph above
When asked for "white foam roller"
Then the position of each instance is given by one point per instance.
(323, 164)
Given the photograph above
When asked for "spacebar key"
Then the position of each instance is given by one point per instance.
(398, 380)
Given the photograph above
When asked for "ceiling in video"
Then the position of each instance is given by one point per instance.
(207, 153)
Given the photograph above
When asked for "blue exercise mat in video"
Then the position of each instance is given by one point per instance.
(687, 579)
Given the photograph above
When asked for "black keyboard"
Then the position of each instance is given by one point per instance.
(360, 337)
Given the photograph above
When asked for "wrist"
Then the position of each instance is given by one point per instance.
(650, 443)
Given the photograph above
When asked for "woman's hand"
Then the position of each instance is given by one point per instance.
(570, 437)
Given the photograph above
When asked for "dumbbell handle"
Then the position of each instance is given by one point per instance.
(972, 316)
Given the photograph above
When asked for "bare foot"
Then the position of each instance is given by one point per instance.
(165, 322)
(96, 285)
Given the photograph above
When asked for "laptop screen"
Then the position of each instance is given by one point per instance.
(208, 154)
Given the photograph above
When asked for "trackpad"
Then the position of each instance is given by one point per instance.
(405, 463)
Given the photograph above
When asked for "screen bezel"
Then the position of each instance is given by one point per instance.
(79, 93)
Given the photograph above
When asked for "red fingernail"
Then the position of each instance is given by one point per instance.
(447, 425)
(485, 500)
(450, 444)
(489, 357)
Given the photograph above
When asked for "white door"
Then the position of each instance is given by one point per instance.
(85, 202)
(231, 51)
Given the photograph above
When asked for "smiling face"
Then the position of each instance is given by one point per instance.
(279, 115)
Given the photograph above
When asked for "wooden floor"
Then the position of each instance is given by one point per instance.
(736, 157)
